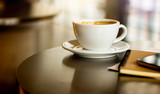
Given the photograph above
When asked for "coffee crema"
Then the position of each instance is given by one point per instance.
(100, 22)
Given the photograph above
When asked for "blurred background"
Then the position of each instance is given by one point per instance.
(30, 26)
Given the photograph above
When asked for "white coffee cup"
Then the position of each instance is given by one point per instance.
(96, 34)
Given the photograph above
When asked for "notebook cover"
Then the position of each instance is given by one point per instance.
(128, 64)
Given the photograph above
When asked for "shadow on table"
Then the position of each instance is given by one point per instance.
(91, 75)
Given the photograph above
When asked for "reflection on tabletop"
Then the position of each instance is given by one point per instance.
(90, 75)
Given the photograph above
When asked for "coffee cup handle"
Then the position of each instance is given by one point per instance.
(123, 35)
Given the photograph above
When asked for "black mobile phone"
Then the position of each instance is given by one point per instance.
(152, 62)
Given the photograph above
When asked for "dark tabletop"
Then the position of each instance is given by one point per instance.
(57, 71)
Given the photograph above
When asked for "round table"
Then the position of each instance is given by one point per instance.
(57, 71)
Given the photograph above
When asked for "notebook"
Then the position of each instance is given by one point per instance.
(128, 64)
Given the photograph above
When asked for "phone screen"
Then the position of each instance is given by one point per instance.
(152, 61)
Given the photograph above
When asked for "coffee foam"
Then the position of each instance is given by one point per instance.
(79, 21)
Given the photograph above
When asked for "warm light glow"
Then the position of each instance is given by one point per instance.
(73, 9)
(9, 21)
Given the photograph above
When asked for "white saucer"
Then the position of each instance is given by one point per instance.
(76, 48)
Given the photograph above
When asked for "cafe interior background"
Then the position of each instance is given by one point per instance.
(30, 26)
